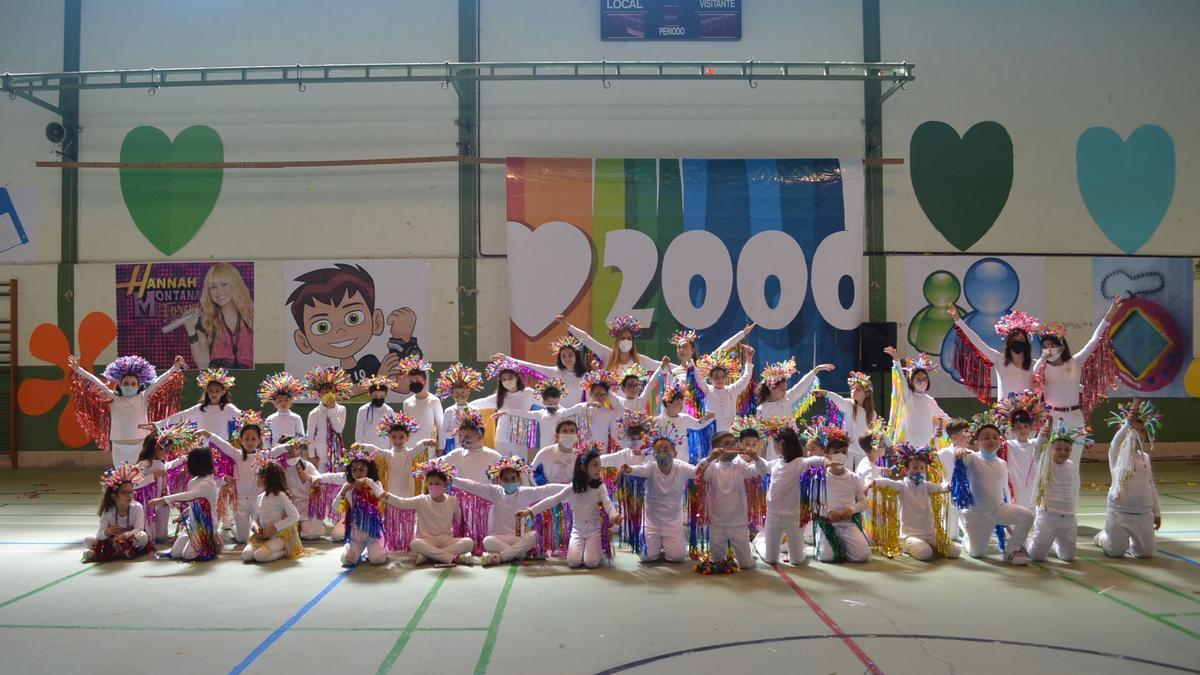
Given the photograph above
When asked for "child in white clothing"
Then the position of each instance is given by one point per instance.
(1133, 512)
(844, 497)
(507, 494)
(988, 478)
(666, 488)
(551, 392)
(436, 513)
(275, 524)
(783, 497)
(327, 420)
(918, 532)
(360, 498)
(589, 502)
(282, 390)
(1056, 492)
(372, 411)
(720, 396)
(456, 383)
(122, 534)
(724, 473)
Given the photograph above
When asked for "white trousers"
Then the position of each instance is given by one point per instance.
(667, 542)
(271, 549)
(778, 525)
(853, 540)
(510, 546)
(162, 520)
(979, 525)
(921, 547)
(443, 549)
(1053, 531)
(376, 552)
(584, 549)
(1132, 532)
(738, 536)
(241, 517)
(125, 453)
(182, 549)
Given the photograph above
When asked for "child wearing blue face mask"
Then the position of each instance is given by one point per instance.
(666, 487)
(918, 533)
(988, 477)
(505, 541)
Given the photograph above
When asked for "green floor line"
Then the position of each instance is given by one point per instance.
(235, 629)
(411, 627)
(1181, 614)
(1131, 575)
(1123, 603)
(1186, 499)
(39, 589)
(489, 644)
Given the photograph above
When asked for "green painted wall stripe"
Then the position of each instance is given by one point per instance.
(608, 214)
(411, 627)
(489, 644)
(1123, 603)
(52, 584)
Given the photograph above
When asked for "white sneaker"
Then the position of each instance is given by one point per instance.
(88, 555)
(490, 559)
(1018, 557)
(419, 559)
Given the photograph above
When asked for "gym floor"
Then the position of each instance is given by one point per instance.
(1095, 615)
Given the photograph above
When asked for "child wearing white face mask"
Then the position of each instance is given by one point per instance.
(511, 395)
(556, 463)
(918, 411)
(623, 329)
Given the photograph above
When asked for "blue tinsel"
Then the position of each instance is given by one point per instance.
(539, 475)
(960, 486)
(700, 442)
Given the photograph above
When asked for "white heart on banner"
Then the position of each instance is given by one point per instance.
(546, 284)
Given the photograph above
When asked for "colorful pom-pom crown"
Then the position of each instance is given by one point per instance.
(550, 383)
(633, 370)
(989, 418)
(252, 418)
(387, 422)
(469, 419)
(600, 377)
(820, 430)
(905, 451)
(262, 460)
(375, 382)
(179, 437)
(684, 337)
(134, 365)
(634, 419)
(746, 423)
(585, 449)
(1053, 329)
(458, 375)
(662, 432)
(329, 376)
(773, 427)
(511, 463)
(126, 473)
(351, 456)
(724, 360)
(1016, 402)
(860, 380)
(503, 363)
(413, 365)
(218, 375)
(438, 465)
(1018, 320)
(674, 391)
(708, 567)
(1139, 409)
(279, 384)
(565, 341)
(624, 323)
(1072, 435)
(922, 362)
(774, 373)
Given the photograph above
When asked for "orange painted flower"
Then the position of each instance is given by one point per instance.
(48, 343)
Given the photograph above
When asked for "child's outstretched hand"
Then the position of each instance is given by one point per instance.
(824, 368)
(560, 319)
(73, 361)
(266, 531)
(625, 468)
(498, 414)
(617, 519)
(179, 362)
(961, 452)
(525, 513)
(1157, 522)
(429, 442)
(203, 433)
(156, 502)
(890, 351)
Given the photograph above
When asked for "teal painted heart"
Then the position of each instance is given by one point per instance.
(961, 183)
(1126, 185)
(170, 205)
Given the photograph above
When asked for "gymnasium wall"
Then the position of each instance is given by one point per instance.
(1043, 71)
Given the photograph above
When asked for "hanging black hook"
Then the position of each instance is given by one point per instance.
(300, 79)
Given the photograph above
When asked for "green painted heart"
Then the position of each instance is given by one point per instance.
(961, 183)
(170, 205)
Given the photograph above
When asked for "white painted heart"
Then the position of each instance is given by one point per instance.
(547, 267)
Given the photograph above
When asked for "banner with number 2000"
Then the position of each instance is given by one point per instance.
(709, 245)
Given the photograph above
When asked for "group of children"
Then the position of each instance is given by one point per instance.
(583, 464)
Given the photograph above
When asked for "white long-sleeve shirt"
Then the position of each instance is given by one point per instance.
(213, 418)
(599, 424)
(726, 481)
(782, 408)
(245, 471)
(854, 421)
(473, 464)
(665, 493)
(916, 509)
(275, 510)
(320, 420)
(204, 487)
(783, 494)
(1139, 495)
(917, 425)
(126, 413)
(428, 413)
(1062, 493)
(723, 401)
(585, 507)
(285, 424)
(502, 518)
(1010, 377)
(522, 399)
(399, 467)
(134, 521)
(547, 420)
(679, 370)
(604, 352)
(569, 379)
(557, 462)
(844, 492)
(366, 419)
(624, 456)
(434, 518)
(450, 424)
(1062, 381)
(148, 477)
(1022, 470)
(299, 488)
(989, 481)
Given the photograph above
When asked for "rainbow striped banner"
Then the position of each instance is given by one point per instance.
(689, 243)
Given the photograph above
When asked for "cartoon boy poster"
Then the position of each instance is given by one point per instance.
(362, 315)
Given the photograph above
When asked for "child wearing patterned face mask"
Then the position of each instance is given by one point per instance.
(505, 541)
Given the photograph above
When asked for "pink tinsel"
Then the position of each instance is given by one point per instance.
(974, 369)
(398, 527)
(1098, 378)
(143, 495)
(474, 523)
(91, 409)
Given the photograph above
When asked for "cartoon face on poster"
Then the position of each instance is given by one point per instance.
(203, 311)
(983, 290)
(362, 315)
